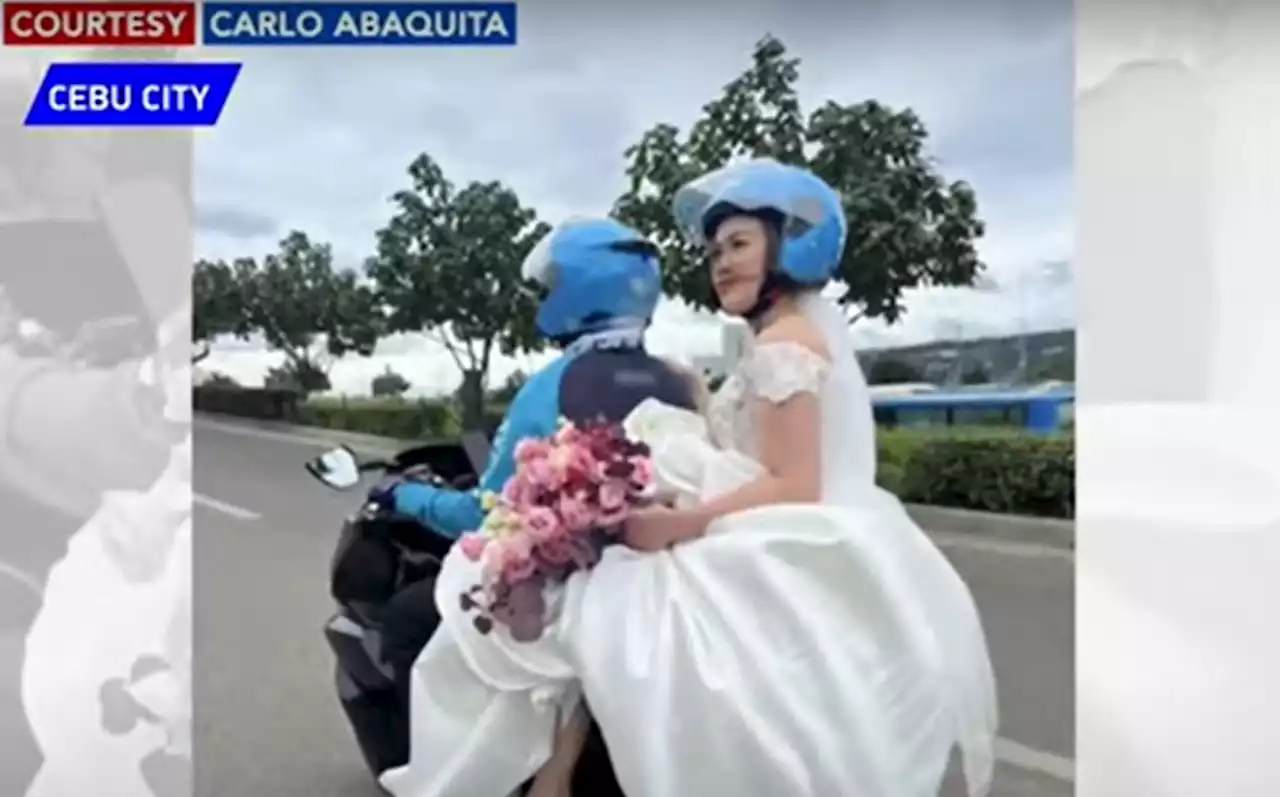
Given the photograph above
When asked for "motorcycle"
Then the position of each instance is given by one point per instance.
(382, 576)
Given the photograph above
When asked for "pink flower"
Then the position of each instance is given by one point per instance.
(540, 474)
(556, 552)
(473, 546)
(514, 560)
(517, 491)
(541, 523)
(642, 471)
(531, 448)
(613, 517)
(581, 461)
(575, 514)
(567, 434)
(612, 496)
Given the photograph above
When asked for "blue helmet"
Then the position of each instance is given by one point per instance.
(808, 212)
(596, 273)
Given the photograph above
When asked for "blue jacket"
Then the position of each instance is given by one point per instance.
(597, 384)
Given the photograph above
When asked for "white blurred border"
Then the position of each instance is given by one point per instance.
(1178, 190)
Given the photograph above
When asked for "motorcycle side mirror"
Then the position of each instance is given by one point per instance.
(338, 468)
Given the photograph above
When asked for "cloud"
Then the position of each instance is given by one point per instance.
(234, 222)
(319, 143)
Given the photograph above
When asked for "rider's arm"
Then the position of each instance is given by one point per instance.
(533, 413)
(786, 372)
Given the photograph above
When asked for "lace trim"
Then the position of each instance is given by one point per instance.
(778, 370)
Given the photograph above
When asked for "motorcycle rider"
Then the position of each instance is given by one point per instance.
(600, 282)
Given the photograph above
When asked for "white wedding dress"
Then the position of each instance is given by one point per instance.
(793, 651)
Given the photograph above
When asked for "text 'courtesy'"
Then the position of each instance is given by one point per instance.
(338, 23)
(105, 23)
(132, 95)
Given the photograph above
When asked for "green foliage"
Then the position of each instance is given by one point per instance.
(976, 374)
(907, 226)
(890, 371)
(984, 469)
(448, 262)
(217, 303)
(981, 468)
(306, 308)
(302, 377)
(388, 417)
(218, 379)
(510, 387)
(388, 384)
(1061, 367)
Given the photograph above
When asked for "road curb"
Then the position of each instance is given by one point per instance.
(1051, 532)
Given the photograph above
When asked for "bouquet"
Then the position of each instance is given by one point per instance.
(565, 503)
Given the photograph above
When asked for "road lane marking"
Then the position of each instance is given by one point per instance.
(1030, 759)
(237, 512)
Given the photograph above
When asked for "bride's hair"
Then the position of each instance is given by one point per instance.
(775, 283)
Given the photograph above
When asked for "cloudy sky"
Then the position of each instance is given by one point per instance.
(317, 140)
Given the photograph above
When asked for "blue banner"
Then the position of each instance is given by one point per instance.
(132, 95)
(337, 23)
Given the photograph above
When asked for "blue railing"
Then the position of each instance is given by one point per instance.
(1041, 411)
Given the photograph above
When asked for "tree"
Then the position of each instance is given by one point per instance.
(890, 371)
(510, 387)
(219, 379)
(303, 377)
(975, 374)
(1060, 367)
(448, 264)
(389, 383)
(217, 305)
(306, 309)
(907, 227)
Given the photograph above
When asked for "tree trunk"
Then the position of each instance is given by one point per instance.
(471, 396)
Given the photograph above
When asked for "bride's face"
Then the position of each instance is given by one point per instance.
(739, 255)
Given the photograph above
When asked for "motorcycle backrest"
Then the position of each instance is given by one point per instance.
(476, 445)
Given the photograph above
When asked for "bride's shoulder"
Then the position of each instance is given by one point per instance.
(794, 336)
(787, 357)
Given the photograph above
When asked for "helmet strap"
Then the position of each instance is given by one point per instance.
(770, 293)
(771, 287)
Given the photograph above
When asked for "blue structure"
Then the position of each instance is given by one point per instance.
(1041, 411)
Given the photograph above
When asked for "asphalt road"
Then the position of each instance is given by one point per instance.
(267, 718)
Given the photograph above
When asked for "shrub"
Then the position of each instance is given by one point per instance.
(993, 471)
(386, 417)
(981, 467)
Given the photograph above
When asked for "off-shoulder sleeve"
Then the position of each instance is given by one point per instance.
(777, 370)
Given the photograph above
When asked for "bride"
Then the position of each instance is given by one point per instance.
(784, 629)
